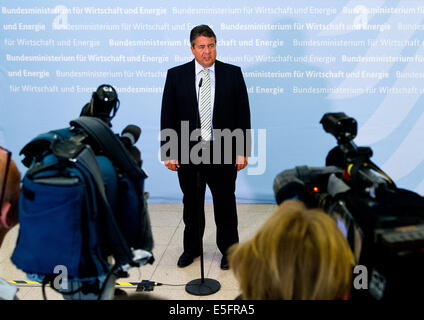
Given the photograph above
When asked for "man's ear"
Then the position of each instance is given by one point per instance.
(5, 209)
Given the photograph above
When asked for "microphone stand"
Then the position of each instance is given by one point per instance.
(202, 286)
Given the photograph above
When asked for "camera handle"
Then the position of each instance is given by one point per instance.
(360, 171)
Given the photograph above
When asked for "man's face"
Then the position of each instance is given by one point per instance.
(204, 51)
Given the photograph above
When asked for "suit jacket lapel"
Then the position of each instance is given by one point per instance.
(218, 84)
(191, 82)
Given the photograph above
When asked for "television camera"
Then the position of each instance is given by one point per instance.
(383, 224)
(104, 104)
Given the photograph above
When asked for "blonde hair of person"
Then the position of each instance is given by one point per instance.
(297, 254)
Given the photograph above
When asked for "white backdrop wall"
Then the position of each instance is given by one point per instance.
(300, 59)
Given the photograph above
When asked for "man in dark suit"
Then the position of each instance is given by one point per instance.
(207, 99)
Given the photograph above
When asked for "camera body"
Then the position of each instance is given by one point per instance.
(383, 224)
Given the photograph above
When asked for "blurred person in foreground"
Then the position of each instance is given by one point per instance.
(298, 254)
(10, 179)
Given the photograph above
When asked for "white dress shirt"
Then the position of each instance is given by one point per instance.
(199, 75)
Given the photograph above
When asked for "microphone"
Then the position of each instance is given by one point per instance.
(130, 134)
(198, 103)
(129, 137)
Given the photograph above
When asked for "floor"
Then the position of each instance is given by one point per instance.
(167, 227)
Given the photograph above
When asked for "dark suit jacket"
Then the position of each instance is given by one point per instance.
(231, 105)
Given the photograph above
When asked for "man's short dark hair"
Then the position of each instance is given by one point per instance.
(202, 30)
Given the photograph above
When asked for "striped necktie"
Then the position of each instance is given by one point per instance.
(205, 107)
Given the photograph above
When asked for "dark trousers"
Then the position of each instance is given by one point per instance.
(221, 179)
